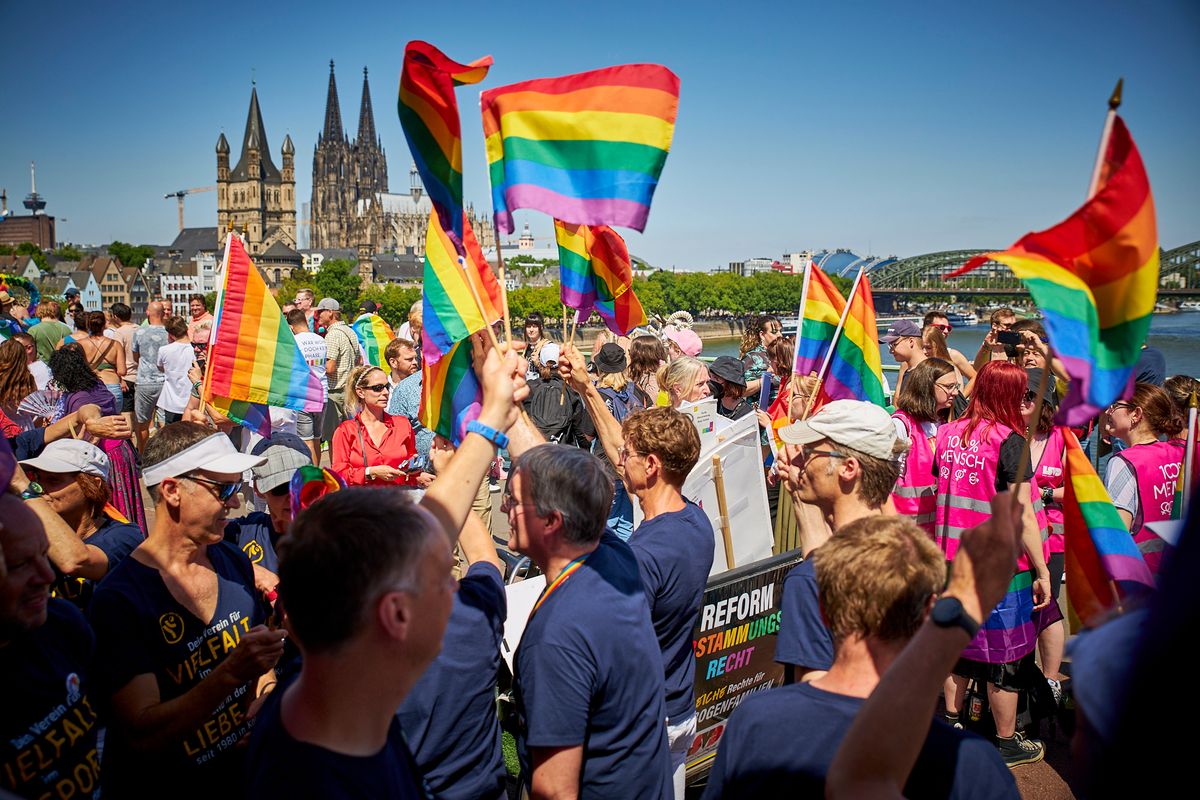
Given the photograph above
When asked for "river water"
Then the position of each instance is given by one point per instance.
(1176, 335)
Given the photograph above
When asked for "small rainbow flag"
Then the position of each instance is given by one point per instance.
(373, 336)
(595, 272)
(585, 148)
(450, 393)
(253, 358)
(450, 311)
(429, 115)
(855, 371)
(1103, 562)
(821, 308)
(1095, 278)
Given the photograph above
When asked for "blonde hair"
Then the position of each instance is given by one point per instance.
(354, 382)
(680, 372)
(613, 380)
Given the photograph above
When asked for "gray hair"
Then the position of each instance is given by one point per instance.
(572, 482)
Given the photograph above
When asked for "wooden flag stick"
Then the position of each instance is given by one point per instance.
(562, 398)
(503, 286)
(479, 305)
(723, 510)
(1114, 102)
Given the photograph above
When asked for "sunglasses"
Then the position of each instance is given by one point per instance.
(1030, 398)
(944, 327)
(1126, 406)
(378, 387)
(807, 455)
(224, 490)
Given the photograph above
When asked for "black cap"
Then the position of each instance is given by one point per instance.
(611, 358)
(368, 306)
(728, 369)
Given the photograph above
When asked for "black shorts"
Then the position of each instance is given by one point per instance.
(1058, 563)
(1005, 676)
(127, 392)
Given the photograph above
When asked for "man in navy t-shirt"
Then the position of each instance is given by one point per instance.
(841, 461)
(48, 725)
(588, 673)
(875, 580)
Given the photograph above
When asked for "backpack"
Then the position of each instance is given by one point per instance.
(553, 414)
(623, 403)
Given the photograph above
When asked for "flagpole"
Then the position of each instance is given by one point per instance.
(800, 316)
(1190, 453)
(503, 285)
(832, 344)
(206, 387)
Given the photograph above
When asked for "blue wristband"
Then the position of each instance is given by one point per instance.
(491, 434)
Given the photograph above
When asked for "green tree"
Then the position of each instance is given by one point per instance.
(394, 302)
(131, 255)
(33, 251)
(72, 253)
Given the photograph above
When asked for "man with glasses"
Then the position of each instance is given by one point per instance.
(182, 651)
(844, 460)
(304, 302)
(991, 349)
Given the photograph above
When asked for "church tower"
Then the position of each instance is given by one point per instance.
(370, 164)
(332, 168)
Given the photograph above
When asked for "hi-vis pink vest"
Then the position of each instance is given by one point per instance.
(1156, 467)
(915, 494)
(1050, 474)
(966, 479)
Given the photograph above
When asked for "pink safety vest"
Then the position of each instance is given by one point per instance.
(1156, 468)
(966, 479)
(1050, 473)
(915, 494)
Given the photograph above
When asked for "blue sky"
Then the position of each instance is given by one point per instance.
(884, 127)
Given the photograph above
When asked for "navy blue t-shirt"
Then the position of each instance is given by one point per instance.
(675, 555)
(255, 536)
(589, 672)
(803, 641)
(142, 629)
(116, 540)
(449, 717)
(282, 767)
(755, 761)
(48, 725)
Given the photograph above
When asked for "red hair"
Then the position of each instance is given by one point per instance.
(999, 388)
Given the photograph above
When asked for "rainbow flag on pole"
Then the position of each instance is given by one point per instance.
(253, 358)
(450, 393)
(585, 148)
(595, 272)
(373, 334)
(855, 371)
(1095, 278)
(429, 115)
(450, 311)
(821, 307)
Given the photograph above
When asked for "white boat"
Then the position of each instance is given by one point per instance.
(1190, 305)
(962, 319)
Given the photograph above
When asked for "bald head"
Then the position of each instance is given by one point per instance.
(26, 573)
(154, 313)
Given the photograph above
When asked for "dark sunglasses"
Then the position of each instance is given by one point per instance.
(224, 490)
(378, 387)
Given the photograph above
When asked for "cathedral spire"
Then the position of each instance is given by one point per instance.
(366, 117)
(255, 140)
(333, 110)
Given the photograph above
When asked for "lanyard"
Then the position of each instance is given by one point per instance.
(567, 572)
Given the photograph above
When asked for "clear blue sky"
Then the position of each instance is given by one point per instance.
(884, 127)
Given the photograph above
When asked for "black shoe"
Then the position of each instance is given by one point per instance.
(1018, 750)
(952, 720)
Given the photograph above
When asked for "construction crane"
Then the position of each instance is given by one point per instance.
(182, 193)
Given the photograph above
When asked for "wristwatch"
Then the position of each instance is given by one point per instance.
(33, 490)
(948, 613)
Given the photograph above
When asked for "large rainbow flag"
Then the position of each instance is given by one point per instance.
(1095, 278)
(1104, 565)
(450, 393)
(821, 308)
(373, 334)
(594, 272)
(253, 358)
(855, 371)
(450, 311)
(585, 148)
(429, 116)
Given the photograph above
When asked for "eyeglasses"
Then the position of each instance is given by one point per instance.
(1126, 406)
(508, 502)
(224, 490)
(807, 455)
(624, 454)
(379, 387)
(944, 327)
(949, 388)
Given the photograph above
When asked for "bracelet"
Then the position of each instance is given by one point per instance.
(494, 436)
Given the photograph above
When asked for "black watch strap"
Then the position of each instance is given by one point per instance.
(948, 613)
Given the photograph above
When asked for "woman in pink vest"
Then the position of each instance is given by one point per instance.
(1046, 454)
(922, 404)
(976, 457)
(1141, 478)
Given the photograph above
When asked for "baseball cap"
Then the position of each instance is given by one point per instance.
(685, 339)
(902, 328)
(549, 353)
(368, 306)
(71, 455)
(1050, 396)
(728, 369)
(214, 453)
(71, 292)
(329, 304)
(284, 453)
(864, 427)
(610, 358)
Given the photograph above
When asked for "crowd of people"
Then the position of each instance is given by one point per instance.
(189, 606)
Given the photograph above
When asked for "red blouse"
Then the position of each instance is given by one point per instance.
(399, 444)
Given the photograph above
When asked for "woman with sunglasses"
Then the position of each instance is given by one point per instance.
(371, 447)
(88, 537)
(1141, 478)
(976, 457)
(922, 405)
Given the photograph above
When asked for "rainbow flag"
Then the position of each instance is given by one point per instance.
(450, 393)
(1095, 278)
(821, 308)
(1103, 562)
(253, 358)
(594, 272)
(585, 148)
(855, 371)
(429, 115)
(450, 311)
(373, 336)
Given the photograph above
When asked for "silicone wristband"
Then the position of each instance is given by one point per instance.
(491, 434)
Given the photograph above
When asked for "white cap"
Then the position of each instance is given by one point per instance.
(71, 455)
(214, 453)
(864, 427)
(549, 353)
